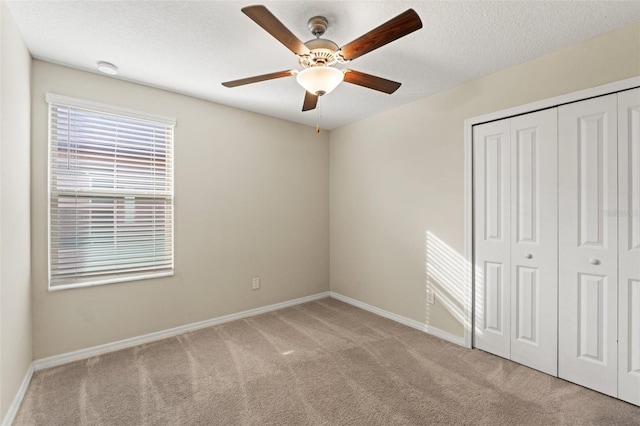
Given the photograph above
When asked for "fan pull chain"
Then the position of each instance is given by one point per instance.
(318, 120)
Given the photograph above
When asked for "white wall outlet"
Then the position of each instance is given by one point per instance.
(430, 296)
(256, 283)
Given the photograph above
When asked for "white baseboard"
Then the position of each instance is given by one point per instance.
(61, 359)
(17, 400)
(458, 340)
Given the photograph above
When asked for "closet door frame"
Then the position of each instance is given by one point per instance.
(605, 89)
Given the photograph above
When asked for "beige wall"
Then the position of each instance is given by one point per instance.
(15, 273)
(251, 199)
(397, 179)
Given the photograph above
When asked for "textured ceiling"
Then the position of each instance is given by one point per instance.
(191, 47)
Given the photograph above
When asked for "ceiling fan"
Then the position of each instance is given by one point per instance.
(318, 56)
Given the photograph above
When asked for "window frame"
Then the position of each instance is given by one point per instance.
(130, 114)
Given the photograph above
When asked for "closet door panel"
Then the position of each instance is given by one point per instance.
(588, 241)
(491, 147)
(629, 245)
(534, 263)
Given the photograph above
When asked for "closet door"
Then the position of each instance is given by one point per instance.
(588, 242)
(534, 233)
(491, 166)
(629, 245)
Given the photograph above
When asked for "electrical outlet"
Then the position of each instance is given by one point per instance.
(256, 283)
(430, 297)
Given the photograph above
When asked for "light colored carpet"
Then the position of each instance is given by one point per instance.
(321, 363)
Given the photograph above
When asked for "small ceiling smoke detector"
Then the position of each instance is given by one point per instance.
(107, 68)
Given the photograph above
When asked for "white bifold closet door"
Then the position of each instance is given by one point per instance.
(629, 245)
(492, 194)
(588, 243)
(534, 240)
(515, 198)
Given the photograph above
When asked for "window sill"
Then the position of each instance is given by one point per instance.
(112, 280)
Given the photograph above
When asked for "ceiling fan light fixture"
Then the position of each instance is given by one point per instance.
(320, 80)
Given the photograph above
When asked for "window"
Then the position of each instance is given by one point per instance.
(111, 194)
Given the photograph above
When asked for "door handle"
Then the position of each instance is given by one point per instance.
(528, 256)
(594, 261)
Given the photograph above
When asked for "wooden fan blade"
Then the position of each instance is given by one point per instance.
(371, 81)
(310, 101)
(261, 16)
(398, 27)
(258, 78)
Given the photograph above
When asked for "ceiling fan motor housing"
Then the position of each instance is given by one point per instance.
(323, 52)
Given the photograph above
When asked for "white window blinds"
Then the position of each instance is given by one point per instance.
(111, 195)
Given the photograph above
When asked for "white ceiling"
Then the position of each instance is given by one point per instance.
(191, 47)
